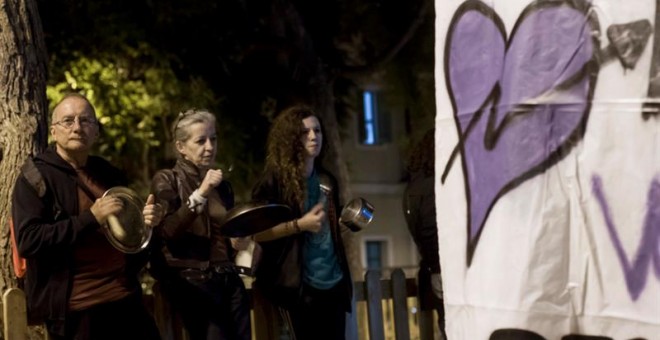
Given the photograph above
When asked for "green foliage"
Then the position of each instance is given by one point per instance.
(136, 95)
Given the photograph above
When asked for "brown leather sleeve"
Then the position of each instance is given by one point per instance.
(177, 215)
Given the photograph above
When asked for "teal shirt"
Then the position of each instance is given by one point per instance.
(320, 266)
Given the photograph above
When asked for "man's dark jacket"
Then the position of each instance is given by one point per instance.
(420, 214)
(419, 210)
(48, 227)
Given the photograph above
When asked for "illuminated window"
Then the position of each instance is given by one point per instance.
(370, 123)
(373, 127)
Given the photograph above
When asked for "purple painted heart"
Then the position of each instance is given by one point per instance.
(520, 104)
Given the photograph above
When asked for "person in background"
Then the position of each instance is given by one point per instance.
(303, 269)
(419, 211)
(76, 281)
(195, 262)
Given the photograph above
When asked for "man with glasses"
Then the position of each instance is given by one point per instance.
(77, 282)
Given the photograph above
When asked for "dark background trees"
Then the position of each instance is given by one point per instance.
(144, 61)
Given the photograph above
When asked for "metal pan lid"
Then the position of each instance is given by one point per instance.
(250, 218)
(126, 230)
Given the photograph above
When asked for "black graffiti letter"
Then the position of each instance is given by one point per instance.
(652, 105)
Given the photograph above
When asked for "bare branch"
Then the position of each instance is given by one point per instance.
(352, 71)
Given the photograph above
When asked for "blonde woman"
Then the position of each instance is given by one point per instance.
(195, 263)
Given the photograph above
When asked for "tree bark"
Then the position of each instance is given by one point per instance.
(23, 107)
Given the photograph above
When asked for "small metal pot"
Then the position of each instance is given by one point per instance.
(357, 214)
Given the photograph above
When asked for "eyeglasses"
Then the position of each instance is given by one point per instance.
(67, 122)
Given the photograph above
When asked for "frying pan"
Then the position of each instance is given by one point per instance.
(251, 218)
(126, 230)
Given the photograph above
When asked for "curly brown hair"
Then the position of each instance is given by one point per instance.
(285, 154)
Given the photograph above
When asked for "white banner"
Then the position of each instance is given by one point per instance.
(548, 168)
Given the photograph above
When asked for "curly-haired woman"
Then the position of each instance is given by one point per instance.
(303, 268)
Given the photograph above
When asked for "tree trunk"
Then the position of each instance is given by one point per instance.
(23, 107)
(322, 98)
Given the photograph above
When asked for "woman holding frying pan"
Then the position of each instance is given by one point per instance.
(303, 269)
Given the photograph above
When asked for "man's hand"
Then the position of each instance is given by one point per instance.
(211, 180)
(152, 212)
(240, 243)
(312, 219)
(436, 284)
(104, 207)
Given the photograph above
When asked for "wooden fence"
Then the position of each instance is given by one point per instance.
(373, 291)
